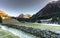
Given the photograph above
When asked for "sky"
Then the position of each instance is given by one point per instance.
(16, 7)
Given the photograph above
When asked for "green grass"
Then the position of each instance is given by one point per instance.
(6, 34)
(38, 26)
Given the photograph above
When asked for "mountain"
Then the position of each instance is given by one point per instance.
(23, 15)
(51, 10)
(4, 15)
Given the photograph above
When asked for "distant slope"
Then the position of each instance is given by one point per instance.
(4, 15)
(23, 15)
(10, 21)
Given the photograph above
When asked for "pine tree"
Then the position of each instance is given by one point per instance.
(0, 19)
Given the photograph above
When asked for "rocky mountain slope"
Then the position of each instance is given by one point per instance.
(51, 10)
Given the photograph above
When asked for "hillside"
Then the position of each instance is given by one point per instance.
(51, 10)
(4, 15)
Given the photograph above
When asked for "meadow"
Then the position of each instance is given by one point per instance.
(33, 25)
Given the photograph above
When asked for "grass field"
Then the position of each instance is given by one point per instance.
(38, 26)
(6, 34)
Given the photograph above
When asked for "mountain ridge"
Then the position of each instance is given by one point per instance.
(51, 10)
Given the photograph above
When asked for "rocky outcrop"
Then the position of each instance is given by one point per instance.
(36, 32)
